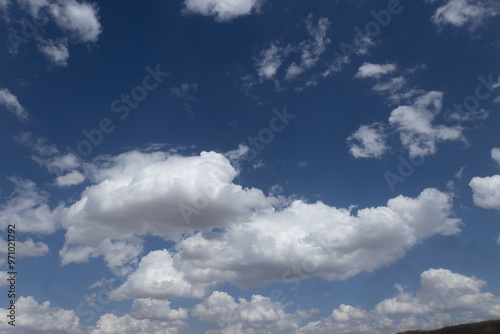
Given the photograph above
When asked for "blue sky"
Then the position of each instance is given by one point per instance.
(250, 166)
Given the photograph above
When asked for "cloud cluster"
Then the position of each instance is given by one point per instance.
(222, 10)
(78, 22)
(321, 240)
(40, 318)
(414, 121)
(259, 315)
(441, 294)
(310, 51)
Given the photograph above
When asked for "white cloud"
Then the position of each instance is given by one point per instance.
(326, 241)
(37, 144)
(153, 309)
(55, 51)
(28, 208)
(156, 277)
(259, 315)
(269, 62)
(10, 102)
(119, 255)
(414, 124)
(498, 239)
(34, 318)
(368, 141)
(4, 4)
(369, 70)
(112, 324)
(222, 10)
(79, 19)
(495, 155)
(156, 193)
(47, 155)
(311, 50)
(462, 13)
(70, 179)
(444, 298)
(27, 248)
(486, 191)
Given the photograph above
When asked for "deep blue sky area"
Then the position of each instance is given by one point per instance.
(249, 166)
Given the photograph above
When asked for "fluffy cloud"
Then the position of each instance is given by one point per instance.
(368, 141)
(320, 240)
(24, 249)
(468, 13)
(222, 10)
(442, 294)
(10, 102)
(79, 20)
(495, 155)
(259, 315)
(486, 191)
(111, 324)
(70, 179)
(269, 62)
(152, 309)
(28, 208)
(157, 193)
(369, 70)
(40, 318)
(55, 51)
(414, 124)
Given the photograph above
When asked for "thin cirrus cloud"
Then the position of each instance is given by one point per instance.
(55, 51)
(222, 10)
(10, 102)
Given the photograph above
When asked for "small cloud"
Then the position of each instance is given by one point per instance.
(55, 51)
(259, 164)
(70, 179)
(495, 155)
(368, 141)
(369, 70)
(222, 10)
(302, 164)
(10, 102)
(185, 93)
